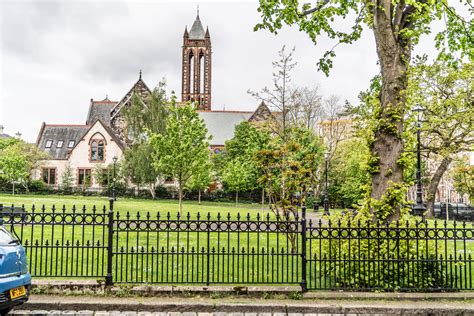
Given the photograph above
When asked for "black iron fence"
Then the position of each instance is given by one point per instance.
(244, 249)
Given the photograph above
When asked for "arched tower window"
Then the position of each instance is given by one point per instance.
(192, 70)
(202, 71)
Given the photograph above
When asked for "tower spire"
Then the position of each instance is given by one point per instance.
(198, 9)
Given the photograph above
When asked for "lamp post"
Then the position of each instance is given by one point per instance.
(114, 179)
(419, 208)
(326, 198)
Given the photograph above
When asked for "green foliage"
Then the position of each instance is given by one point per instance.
(37, 186)
(7, 142)
(202, 177)
(238, 176)
(183, 148)
(67, 178)
(409, 21)
(288, 169)
(17, 160)
(348, 173)
(446, 94)
(239, 171)
(463, 176)
(397, 27)
(138, 166)
(147, 115)
(397, 250)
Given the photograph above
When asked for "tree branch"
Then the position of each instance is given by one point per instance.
(318, 7)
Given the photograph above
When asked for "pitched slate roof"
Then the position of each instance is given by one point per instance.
(139, 87)
(57, 133)
(100, 110)
(197, 31)
(221, 124)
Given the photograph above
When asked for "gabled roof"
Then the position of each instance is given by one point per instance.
(262, 113)
(100, 110)
(108, 130)
(197, 31)
(139, 87)
(55, 133)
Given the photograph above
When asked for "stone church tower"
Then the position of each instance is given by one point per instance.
(196, 76)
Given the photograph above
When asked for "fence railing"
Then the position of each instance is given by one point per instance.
(244, 249)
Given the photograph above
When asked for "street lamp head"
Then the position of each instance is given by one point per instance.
(418, 108)
(115, 159)
(326, 154)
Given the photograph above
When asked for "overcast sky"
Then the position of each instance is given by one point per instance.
(57, 55)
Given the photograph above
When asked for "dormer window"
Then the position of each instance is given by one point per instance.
(60, 144)
(97, 150)
(49, 143)
(71, 144)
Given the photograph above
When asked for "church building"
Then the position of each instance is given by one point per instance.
(83, 148)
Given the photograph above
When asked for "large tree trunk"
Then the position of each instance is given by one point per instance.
(394, 55)
(236, 198)
(199, 197)
(433, 186)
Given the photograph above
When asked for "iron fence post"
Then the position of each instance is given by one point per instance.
(304, 286)
(110, 228)
(208, 248)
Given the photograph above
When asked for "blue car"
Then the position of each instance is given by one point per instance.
(15, 281)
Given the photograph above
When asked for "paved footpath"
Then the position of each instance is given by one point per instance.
(131, 313)
(240, 306)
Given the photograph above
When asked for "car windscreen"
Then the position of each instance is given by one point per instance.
(6, 239)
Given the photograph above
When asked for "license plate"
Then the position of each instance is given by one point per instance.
(17, 292)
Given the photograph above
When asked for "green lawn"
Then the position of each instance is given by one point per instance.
(133, 206)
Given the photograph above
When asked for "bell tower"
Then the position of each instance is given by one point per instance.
(196, 76)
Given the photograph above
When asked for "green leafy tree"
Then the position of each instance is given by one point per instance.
(239, 175)
(14, 165)
(18, 160)
(397, 27)
(288, 168)
(67, 178)
(348, 173)
(147, 115)
(139, 168)
(446, 94)
(239, 153)
(202, 178)
(463, 176)
(144, 116)
(183, 148)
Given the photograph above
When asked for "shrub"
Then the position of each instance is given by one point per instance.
(38, 186)
(362, 254)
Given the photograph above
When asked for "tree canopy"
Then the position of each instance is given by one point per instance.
(397, 27)
(183, 147)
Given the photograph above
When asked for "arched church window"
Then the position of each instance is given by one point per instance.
(97, 150)
(192, 70)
